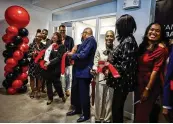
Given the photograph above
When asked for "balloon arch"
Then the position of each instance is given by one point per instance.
(16, 44)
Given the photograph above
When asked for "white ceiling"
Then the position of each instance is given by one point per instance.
(54, 4)
(60, 6)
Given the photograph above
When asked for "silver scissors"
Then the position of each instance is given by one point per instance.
(136, 102)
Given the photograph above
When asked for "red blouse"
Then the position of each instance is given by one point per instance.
(152, 61)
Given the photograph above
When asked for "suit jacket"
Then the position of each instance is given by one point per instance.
(101, 55)
(69, 43)
(167, 98)
(54, 68)
(84, 58)
(48, 42)
(124, 59)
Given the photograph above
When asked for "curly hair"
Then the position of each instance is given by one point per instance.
(59, 41)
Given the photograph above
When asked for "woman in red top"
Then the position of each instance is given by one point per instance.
(152, 57)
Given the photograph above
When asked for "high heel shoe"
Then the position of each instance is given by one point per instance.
(38, 95)
(49, 102)
(32, 95)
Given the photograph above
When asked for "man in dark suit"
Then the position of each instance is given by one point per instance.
(84, 58)
(167, 90)
(69, 44)
(163, 15)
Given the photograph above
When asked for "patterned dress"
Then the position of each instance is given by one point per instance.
(124, 59)
(34, 69)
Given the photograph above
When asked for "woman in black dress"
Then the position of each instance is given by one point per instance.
(53, 57)
(124, 59)
(34, 69)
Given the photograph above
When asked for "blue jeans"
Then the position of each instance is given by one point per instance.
(67, 78)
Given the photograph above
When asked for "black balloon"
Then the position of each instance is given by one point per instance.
(24, 62)
(17, 70)
(23, 89)
(25, 82)
(5, 53)
(25, 55)
(10, 46)
(6, 84)
(23, 32)
(10, 77)
(5, 60)
(17, 40)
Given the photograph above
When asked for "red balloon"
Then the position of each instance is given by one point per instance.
(25, 40)
(11, 91)
(17, 16)
(24, 47)
(11, 62)
(18, 55)
(17, 84)
(24, 69)
(7, 68)
(11, 30)
(7, 38)
(22, 76)
(42, 65)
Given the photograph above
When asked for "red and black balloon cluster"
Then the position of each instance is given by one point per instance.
(16, 44)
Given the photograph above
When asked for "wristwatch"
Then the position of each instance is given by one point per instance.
(147, 88)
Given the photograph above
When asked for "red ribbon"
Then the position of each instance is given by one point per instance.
(171, 84)
(112, 69)
(93, 84)
(42, 62)
(63, 63)
(38, 57)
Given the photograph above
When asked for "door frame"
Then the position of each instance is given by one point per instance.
(53, 24)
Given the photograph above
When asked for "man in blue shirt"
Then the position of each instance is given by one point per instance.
(84, 58)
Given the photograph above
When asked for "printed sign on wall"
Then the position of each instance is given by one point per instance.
(164, 15)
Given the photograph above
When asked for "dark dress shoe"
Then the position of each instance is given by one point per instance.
(73, 112)
(49, 102)
(97, 121)
(82, 119)
(106, 122)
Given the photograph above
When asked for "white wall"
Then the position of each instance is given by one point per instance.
(142, 15)
(39, 18)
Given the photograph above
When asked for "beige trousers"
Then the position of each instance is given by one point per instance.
(103, 102)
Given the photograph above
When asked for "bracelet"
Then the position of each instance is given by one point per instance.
(147, 88)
